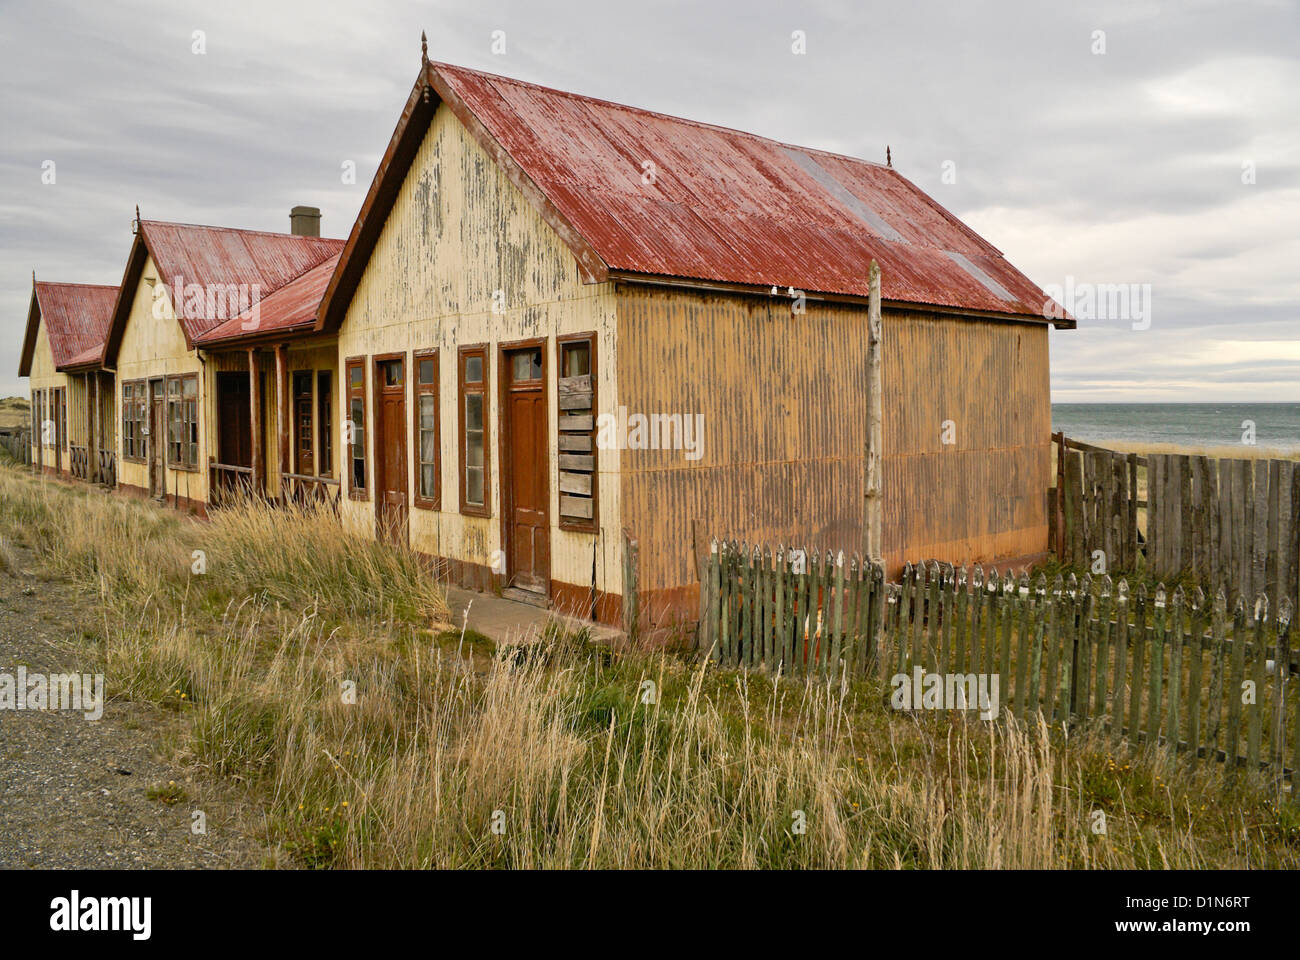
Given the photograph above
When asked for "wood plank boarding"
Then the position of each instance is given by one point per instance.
(1165, 669)
(1227, 523)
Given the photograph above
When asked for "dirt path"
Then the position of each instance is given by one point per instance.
(76, 792)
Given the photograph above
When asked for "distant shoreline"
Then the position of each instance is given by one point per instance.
(1238, 430)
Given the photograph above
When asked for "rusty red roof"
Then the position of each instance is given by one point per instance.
(722, 205)
(214, 257)
(76, 318)
(214, 274)
(291, 307)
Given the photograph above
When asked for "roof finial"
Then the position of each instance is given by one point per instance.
(889, 161)
(137, 213)
(424, 48)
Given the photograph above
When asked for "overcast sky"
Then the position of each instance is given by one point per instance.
(1128, 166)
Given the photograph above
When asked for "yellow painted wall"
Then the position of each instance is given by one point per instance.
(45, 377)
(459, 231)
(155, 347)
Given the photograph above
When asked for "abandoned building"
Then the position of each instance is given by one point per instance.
(560, 323)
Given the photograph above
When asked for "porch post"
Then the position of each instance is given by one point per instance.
(282, 410)
(92, 407)
(254, 409)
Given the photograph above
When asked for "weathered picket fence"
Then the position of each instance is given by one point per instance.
(1211, 681)
(1225, 523)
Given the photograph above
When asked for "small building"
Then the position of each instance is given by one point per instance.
(71, 393)
(561, 325)
(564, 322)
(217, 391)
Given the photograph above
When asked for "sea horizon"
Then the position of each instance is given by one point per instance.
(1273, 424)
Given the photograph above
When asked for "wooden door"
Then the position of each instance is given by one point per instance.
(157, 438)
(525, 490)
(390, 449)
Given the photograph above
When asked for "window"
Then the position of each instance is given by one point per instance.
(302, 422)
(576, 396)
(356, 428)
(36, 418)
(133, 410)
(183, 422)
(325, 422)
(474, 484)
(427, 485)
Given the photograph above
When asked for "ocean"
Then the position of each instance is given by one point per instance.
(1276, 425)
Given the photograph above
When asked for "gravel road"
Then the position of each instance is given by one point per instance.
(75, 793)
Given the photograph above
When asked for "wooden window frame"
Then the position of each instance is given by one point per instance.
(324, 419)
(570, 523)
(351, 393)
(295, 428)
(419, 390)
(462, 391)
(139, 404)
(180, 379)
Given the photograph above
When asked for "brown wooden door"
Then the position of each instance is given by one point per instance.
(157, 437)
(525, 491)
(390, 449)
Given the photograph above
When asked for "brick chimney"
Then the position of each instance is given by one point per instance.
(304, 221)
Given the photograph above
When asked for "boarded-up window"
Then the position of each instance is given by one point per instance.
(133, 419)
(183, 422)
(474, 483)
(428, 491)
(356, 374)
(576, 392)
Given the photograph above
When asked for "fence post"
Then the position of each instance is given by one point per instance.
(631, 598)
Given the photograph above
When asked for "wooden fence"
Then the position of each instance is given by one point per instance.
(1223, 523)
(18, 444)
(1210, 680)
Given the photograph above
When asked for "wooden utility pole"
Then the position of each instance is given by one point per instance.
(874, 519)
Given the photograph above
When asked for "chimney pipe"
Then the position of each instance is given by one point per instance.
(304, 221)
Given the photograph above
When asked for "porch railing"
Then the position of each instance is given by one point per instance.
(227, 483)
(308, 490)
(78, 461)
(108, 467)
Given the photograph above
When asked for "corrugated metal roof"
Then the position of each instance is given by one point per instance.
(734, 207)
(217, 257)
(76, 318)
(293, 305)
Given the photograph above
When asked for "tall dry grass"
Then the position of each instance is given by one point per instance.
(556, 753)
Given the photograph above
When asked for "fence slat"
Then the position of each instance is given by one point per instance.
(1194, 679)
(1254, 728)
(1233, 736)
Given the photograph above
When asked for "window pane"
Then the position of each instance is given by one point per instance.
(474, 485)
(577, 359)
(428, 479)
(527, 366)
(426, 370)
(190, 387)
(356, 377)
(474, 412)
(428, 411)
(473, 369)
(392, 373)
